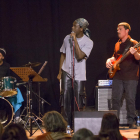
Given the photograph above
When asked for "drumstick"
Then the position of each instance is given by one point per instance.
(42, 67)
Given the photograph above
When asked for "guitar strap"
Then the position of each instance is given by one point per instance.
(129, 44)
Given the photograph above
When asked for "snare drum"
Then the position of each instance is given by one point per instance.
(8, 86)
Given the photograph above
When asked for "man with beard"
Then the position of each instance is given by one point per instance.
(125, 79)
(16, 100)
(73, 94)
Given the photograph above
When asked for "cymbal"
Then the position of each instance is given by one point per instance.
(8, 93)
(32, 64)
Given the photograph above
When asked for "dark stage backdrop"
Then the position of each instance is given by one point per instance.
(33, 31)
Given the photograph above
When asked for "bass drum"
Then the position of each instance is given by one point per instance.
(6, 112)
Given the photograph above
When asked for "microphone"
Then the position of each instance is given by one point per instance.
(71, 36)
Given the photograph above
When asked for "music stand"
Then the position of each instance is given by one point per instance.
(27, 74)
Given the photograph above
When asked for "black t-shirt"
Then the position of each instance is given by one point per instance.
(129, 67)
(4, 69)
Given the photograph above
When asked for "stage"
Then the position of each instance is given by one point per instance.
(131, 134)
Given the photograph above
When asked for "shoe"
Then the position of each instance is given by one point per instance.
(19, 120)
(133, 126)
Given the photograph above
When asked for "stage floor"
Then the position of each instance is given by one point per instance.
(37, 133)
(131, 134)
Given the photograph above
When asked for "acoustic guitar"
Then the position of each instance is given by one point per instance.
(116, 63)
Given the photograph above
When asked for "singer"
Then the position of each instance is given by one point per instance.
(72, 69)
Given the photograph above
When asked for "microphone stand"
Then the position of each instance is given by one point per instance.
(73, 77)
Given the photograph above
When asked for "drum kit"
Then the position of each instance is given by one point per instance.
(8, 89)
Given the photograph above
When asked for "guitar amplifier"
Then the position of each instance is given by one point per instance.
(103, 102)
(103, 94)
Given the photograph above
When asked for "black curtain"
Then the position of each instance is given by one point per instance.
(33, 31)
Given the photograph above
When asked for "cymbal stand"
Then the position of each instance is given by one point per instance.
(30, 117)
(40, 100)
(27, 102)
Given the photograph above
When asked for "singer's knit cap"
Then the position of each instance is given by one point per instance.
(82, 23)
(3, 51)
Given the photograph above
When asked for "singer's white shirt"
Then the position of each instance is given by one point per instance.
(86, 46)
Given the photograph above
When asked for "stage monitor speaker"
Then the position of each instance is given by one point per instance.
(90, 120)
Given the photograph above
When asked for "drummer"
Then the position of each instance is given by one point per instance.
(16, 100)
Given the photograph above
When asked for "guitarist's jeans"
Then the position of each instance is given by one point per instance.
(129, 87)
(67, 99)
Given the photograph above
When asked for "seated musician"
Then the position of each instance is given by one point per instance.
(17, 99)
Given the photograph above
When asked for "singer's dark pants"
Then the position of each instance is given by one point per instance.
(129, 87)
(71, 100)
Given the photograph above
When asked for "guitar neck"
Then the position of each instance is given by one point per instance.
(123, 57)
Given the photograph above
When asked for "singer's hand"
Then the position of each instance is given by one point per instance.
(59, 76)
(73, 35)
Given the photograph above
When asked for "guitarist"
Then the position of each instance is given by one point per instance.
(125, 79)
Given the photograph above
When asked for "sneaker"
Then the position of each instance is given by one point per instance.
(19, 120)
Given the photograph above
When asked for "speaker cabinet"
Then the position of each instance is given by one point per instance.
(103, 96)
(90, 120)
